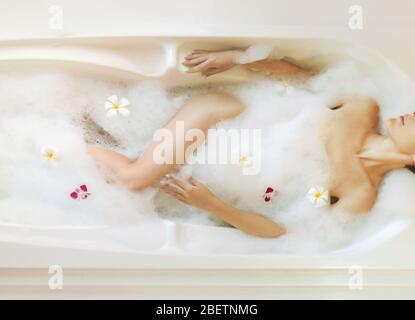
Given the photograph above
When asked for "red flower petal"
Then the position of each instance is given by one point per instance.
(84, 188)
(74, 195)
(269, 189)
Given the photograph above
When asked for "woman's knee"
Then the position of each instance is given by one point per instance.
(223, 105)
(133, 179)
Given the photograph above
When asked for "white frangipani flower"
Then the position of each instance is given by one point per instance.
(115, 106)
(244, 159)
(50, 154)
(318, 196)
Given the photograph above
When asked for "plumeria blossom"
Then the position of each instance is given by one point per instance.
(243, 159)
(80, 193)
(318, 196)
(50, 155)
(269, 194)
(115, 106)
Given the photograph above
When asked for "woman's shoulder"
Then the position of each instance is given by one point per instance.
(360, 199)
(360, 113)
(361, 106)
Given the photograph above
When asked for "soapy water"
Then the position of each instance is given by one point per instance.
(61, 109)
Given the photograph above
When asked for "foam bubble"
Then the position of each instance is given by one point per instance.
(48, 108)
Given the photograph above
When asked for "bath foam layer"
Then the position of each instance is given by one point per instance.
(289, 127)
(292, 161)
(45, 109)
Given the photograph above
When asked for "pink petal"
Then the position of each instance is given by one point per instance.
(84, 188)
(74, 195)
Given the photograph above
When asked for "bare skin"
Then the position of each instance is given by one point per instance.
(359, 156)
(200, 112)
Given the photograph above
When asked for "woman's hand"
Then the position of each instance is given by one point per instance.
(190, 192)
(196, 194)
(211, 62)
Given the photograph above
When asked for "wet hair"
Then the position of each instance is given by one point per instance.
(410, 167)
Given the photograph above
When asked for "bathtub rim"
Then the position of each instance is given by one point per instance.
(172, 46)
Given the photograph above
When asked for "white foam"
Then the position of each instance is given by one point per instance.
(44, 108)
(293, 160)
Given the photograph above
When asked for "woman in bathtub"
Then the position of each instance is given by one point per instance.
(358, 155)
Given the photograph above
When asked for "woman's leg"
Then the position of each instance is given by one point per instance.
(200, 112)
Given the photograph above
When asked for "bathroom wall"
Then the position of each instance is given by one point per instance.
(387, 25)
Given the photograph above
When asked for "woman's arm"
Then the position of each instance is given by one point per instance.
(211, 62)
(282, 68)
(196, 194)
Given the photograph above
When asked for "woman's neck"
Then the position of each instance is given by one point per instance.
(380, 155)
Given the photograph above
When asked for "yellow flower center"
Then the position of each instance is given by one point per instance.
(243, 159)
(50, 155)
(116, 106)
(317, 195)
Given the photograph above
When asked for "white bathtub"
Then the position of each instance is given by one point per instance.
(95, 265)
